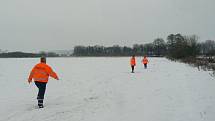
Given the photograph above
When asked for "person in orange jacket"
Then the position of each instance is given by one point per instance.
(145, 61)
(40, 73)
(133, 63)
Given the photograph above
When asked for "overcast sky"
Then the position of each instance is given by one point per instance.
(35, 25)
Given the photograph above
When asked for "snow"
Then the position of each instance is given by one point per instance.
(103, 89)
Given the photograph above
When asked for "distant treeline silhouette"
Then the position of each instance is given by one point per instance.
(26, 55)
(157, 48)
(176, 47)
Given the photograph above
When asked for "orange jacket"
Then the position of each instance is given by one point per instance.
(41, 73)
(145, 60)
(133, 61)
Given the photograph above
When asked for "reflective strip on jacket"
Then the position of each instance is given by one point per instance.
(41, 73)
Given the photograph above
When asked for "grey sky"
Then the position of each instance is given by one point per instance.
(35, 25)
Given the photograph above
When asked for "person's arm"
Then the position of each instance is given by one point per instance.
(134, 62)
(52, 73)
(31, 75)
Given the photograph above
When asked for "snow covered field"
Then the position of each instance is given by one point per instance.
(103, 89)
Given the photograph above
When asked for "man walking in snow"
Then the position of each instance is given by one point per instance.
(132, 63)
(40, 73)
(145, 61)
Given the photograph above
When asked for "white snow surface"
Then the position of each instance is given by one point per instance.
(103, 89)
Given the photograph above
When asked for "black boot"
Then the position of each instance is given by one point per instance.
(40, 103)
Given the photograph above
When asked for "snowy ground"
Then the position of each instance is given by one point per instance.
(103, 89)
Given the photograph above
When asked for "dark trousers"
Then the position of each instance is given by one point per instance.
(145, 65)
(42, 88)
(132, 67)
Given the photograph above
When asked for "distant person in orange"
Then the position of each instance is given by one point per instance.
(40, 73)
(133, 63)
(145, 61)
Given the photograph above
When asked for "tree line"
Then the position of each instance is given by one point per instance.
(26, 55)
(157, 48)
(177, 46)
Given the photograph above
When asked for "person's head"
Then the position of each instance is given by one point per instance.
(144, 56)
(43, 59)
(133, 56)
